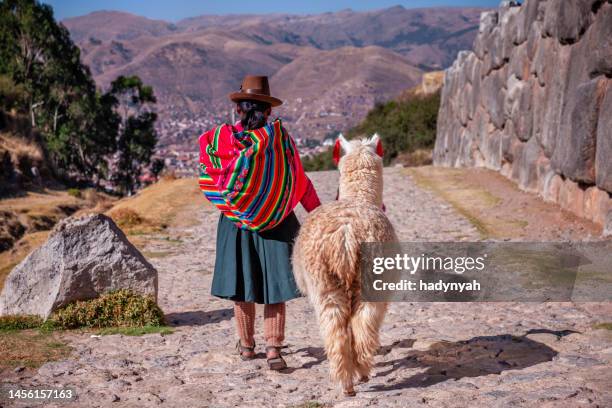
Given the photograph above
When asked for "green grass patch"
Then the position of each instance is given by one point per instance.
(122, 308)
(16, 322)
(136, 331)
(603, 326)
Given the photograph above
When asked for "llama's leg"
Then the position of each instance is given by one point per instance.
(365, 323)
(334, 318)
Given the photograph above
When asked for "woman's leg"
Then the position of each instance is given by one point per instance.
(274, 324)
(244, 312)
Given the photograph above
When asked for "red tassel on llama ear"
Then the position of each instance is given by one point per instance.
(341, 145)
(336, 153)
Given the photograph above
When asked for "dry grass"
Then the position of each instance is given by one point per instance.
(126, 217)
(167, 203)
(161, 202)
(20, 147)
(420, 157)
(30, 348)
(603, 326)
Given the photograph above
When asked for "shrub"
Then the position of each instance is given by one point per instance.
(12, 95)
(121, 308)
(74, 192)
(19, 322)
(126, 217)
(319, 162)
(404, 126)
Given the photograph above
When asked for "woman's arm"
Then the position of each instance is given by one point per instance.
(310, 199)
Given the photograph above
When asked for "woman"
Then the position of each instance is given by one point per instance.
(252, 172)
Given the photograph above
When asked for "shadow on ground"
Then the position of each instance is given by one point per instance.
(198, 317)
(454, 360)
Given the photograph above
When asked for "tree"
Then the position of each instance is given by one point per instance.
(59, 95)
(137, 136)
(12, 96)
(84, 130)
(157, 166)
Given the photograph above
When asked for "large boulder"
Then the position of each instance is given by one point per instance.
(603, 159)
(554, 96)
(493, 89)
(574, 155)
(83, 258)
(599, 43)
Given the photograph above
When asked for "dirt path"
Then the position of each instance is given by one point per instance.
(434, 354)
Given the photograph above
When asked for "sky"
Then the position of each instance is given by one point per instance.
(174, 10)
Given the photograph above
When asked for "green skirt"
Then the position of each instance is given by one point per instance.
(255, 266)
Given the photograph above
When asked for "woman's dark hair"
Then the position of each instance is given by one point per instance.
(252, 114)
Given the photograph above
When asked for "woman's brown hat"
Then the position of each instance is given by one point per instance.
(255, 88)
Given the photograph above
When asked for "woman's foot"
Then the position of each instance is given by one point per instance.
(275, 359)
(246, 353)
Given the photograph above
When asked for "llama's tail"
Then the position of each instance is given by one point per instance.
(344, 255)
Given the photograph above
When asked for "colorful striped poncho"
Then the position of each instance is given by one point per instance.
(255, 177)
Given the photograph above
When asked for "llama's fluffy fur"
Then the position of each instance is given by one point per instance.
(326, 262)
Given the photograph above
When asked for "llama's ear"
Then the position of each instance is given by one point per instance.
(341, 144)
(375, 143)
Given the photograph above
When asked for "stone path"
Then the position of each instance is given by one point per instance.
(433, 354)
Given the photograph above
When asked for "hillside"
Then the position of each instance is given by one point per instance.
(367, 76)
(193, 64)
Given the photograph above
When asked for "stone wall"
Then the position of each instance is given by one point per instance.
(533, 100)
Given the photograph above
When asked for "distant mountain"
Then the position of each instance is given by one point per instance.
(347, 81)
(330, 68)
(115, 25)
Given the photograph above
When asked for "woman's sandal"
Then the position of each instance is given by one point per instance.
(275, 363)
(246, 353)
